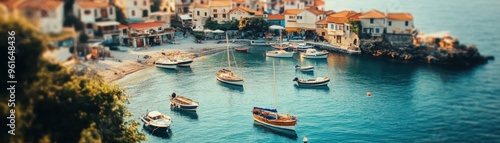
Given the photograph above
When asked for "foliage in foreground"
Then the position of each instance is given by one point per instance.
(52, 104)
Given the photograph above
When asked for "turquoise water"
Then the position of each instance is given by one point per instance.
(409, 102)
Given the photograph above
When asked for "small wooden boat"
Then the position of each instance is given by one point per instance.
(304, 68)
(183, 103)
(279, 54)
(244, 50)
(166, 64)
(155, 121)
(270, 117)
(227, 76)
(184, 62)
(315, 54)
(320, 81)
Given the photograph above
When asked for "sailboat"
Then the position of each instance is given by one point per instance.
(226, 75)
(279, 46)
(271, 117)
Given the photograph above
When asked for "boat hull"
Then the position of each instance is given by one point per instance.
(256, 118)
(184, 107)
(244, 50)
(308, 69)
(323, 83)
(232, 82)
(166, 66)
(185, 63)
(322, 56)
(285, 55)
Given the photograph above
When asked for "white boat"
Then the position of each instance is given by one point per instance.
(303, 46)
(280, 54)
(258, 43)
(319, 81)
(354, 50)
(166, 64)
(227, 75)
(183, 103)
(304, 68)
(155, 121)
(315, 54)
(184, 62)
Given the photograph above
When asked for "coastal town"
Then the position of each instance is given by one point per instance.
(111, 39)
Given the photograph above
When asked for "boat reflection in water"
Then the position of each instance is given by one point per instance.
(319, 88)
(189, 114)
(231, 87)
(166, 134)
(290, 134)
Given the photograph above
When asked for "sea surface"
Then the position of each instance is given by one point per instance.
(410, 102)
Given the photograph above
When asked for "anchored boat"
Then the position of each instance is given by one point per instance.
(303, 47)
(319, 81)
(155, 121)
(279, 54)
(304, 68)
(183, 103)
(184, 62)
(226, 75)
(166, 64)
(244, 50)
(315, 54)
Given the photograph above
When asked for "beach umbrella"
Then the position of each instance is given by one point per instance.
(198, 30)
(217, 31)
(207, 31)
(274, 27)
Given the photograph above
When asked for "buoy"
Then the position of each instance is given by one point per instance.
(305, 139)
(368, 94)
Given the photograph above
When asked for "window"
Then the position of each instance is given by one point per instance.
(133, 13)
(377, 30)
(215, 10)
(198, 13)
(215, 15)
(45, 13)
(87, 12)
(158, 18)
(95, 12)
(390, 23)
(299, 17)
(159, 28)
(205, 13)
(124, 31)
(145, 13)
(89, 25)
(144, 3)
(110, 10)
(371, 20)
(291, 17)
(332, 26)
(164, 9)
(406, 23)
(292, 3)
(223, 15)
(135, 3)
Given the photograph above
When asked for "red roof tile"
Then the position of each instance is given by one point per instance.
(373, 14)
(276, 16)
(399, 16)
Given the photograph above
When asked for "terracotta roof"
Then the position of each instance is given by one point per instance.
(242, 9)
(122, 26)
(146, 25)
(319, 3)
(337, 19)
(324, 21)
(315, 11)
(373, 14)
(220, 3)
(239, 1)
(258, 13)
(37, 5)
(290, 0)
(348, 14)
(292, 11)
(275, 17)
(92, 4)
(399, 16)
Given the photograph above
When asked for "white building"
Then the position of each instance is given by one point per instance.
(49, 15)
(373, 22)
(294, 4)
(399, 23)
(340, 30)
(183, 6)
(135, 9)
(297, 20)
(239, 13)
(216, 9)
(98, 17)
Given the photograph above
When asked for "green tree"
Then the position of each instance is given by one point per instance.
(198, 36)
(255, 25)
(155, 6)
(120, 16)
(52, 103)
(83, 38)
(357, 28)
(211, 24)
(71, 20)
(176, 22)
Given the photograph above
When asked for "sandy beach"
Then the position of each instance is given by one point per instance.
(123, 63)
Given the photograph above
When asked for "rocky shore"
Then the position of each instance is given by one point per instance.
(459, 54)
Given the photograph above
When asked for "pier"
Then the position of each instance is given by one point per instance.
(330, 47)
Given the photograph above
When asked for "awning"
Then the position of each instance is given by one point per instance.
(185, 17)
(291, 29)
(217, 31)
(107, 23)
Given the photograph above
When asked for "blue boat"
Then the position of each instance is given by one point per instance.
(183, 103)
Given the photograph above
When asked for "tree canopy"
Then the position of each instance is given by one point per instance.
(176, 22)
(211, 24)
(255, 25)
(71, 20)
(52, 103)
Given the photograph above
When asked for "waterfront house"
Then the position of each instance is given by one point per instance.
(98, 17)
(238, 13)
(275, 19)
(303, 22)
(135, 9)
(399, 23)
(340, 32)
(48, 15)
(216, 9)
(183, 6)
(293, 4)
(319, 4)
(373, 22)
(146, 34)
(255, 5)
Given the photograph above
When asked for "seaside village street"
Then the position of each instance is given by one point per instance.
(118, 37)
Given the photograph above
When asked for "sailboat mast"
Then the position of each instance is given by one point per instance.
(274, 77)
(227, 49)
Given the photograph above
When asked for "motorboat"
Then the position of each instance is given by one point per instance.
(227, 76)
(270, 117)
(166, 64)
(303, 46)
(184, 62)
(183, 103)
(315, 54)
(155, 121)
(280, 54)
(304, 68)
(319, 81)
